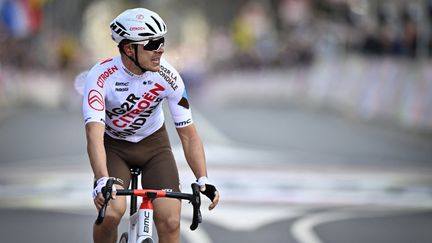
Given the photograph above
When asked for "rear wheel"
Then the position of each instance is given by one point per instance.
(124, 238)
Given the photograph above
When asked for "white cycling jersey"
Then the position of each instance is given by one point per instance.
(130, 105)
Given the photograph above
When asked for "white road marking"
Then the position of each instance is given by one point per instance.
(237, 184)
(250, 217)
(197, 236)
(303, 229)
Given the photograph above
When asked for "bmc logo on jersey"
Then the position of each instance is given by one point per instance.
(96, 100)
(183, 123)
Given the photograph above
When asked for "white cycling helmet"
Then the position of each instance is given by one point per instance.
(138, 24)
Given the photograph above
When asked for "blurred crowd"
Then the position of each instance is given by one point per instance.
(31, 39)
(257, 34)
(67, 37)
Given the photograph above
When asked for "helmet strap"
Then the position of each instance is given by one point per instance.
(134, 60)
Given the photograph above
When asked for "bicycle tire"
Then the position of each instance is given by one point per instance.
(124, 238)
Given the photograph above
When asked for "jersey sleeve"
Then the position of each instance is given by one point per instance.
(178, 103)
(93, 98)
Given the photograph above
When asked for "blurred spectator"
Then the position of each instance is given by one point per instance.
(410, 38)
(254, 36)
(375, 41)
(221, 48)
(66, 52)
(297, 41)
(409, 18)
(294, 12)
(193, 49)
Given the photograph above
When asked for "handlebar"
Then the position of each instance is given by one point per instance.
(194, 199)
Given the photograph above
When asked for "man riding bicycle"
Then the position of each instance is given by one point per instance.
(124, 124)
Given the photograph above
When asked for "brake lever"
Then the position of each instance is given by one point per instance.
(107, 193)
(196, 203)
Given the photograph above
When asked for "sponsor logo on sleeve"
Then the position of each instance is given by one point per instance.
(105, 75)
(96, 100)
(183, 123)
(184, 101)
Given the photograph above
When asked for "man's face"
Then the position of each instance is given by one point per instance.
(150, 60)
(150, 52)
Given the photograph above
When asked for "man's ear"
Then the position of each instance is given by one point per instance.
(128, 49)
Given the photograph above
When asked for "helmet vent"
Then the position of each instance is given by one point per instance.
(157, 22)
(121, 26)
(151, 28)
(145, 34)
(119, 29)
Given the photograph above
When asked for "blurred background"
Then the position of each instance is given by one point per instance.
(366, 58)
(316, 115)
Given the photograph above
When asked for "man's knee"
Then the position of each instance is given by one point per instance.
(167, 216)
(110, 222)
(169, 224)
(113, 216)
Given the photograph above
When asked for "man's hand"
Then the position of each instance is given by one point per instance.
(209, 190)
(99, 189)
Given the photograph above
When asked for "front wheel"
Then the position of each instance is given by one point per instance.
(124, 238)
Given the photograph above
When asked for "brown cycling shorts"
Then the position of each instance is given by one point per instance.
(153, 155)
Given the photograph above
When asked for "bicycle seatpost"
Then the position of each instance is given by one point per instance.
(135, 172)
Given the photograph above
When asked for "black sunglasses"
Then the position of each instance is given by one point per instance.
(152, 45)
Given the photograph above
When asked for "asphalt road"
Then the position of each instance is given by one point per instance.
(24, 225)
(286, 175)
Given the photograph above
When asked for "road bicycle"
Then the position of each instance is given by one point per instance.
(141, 220)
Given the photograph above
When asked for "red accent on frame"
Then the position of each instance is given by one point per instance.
(143, 193)
(146, 204)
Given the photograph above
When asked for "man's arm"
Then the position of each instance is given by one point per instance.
(193, 149)
(95, 148)
(96, 152)
(194, 152)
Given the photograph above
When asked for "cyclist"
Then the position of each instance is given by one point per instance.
(124, 123)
